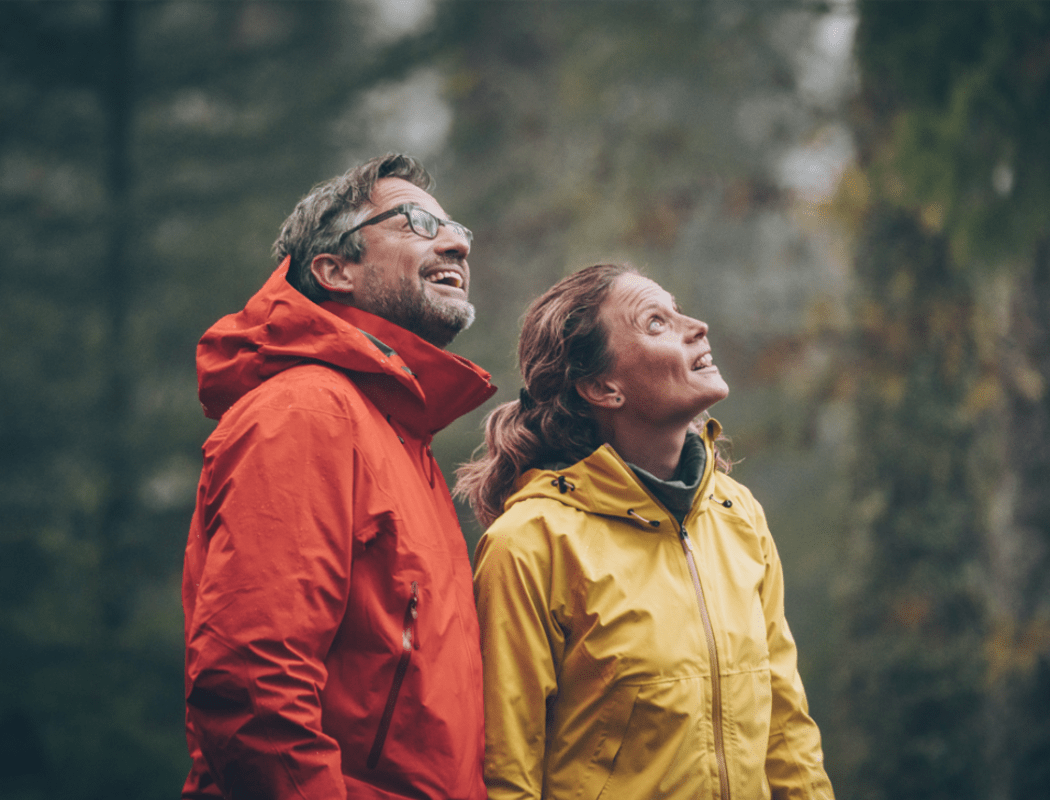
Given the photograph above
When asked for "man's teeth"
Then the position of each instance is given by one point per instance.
(448, 277)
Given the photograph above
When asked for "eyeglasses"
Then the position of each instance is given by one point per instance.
(422, 222)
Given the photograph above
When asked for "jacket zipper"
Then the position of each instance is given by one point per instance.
(716, 679)
(709, 633)
(408, 641)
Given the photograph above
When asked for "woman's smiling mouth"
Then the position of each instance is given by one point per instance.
(703, 362)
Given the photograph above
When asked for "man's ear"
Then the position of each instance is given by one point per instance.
(334, 273)
(600, 392)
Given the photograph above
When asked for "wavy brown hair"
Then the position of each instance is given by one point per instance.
(562, 343)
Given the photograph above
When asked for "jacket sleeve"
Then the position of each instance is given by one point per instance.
(271, 588)
(794, 760)
(521, 647)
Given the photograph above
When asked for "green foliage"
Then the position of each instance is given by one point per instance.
(959, 95)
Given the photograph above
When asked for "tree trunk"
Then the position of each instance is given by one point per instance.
(913, 667)
(1019, 549)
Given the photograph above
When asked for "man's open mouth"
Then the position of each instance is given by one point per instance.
(446, 277)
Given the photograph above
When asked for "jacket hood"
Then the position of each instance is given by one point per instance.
(603, 483)
(422, 386)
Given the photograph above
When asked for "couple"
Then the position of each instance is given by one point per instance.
(632, 639)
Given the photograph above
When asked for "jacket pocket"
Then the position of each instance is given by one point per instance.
(611, 726)
(662, 746)
(408, 643)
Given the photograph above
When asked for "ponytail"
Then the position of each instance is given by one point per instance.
(562, 342)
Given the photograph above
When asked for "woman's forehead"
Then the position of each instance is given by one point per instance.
(631, 293)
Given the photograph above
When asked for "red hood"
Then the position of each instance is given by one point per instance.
(423, 387)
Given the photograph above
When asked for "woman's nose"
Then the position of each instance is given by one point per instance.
(697, 329)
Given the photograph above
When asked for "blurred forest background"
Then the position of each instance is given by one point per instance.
(855, 196)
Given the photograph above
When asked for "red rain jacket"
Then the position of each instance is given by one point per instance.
(331, 638)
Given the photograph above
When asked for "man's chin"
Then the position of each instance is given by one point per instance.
(441, 324)
(464, 315)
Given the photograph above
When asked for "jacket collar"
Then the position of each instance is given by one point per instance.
(603, 483)
(421, 386)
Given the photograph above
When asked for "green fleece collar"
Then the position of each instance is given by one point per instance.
(677, 493)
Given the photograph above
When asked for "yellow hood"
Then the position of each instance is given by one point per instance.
(604, 484)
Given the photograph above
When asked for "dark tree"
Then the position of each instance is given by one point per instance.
(148, 152)
(949, 624)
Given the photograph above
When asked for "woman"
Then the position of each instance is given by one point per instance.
(629, 592)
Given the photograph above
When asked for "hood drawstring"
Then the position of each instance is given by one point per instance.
(654, 523)
(563, 485)
(726, 503)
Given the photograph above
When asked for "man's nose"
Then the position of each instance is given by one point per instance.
(452, 241)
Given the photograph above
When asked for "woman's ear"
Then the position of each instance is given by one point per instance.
(600, 392)
(333, 273)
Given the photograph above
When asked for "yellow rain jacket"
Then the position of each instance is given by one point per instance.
(627, 657)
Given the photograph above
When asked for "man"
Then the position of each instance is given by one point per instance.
(331, 639)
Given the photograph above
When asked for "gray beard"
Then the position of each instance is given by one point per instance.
(408, 305)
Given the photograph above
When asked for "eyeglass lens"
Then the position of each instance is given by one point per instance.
(422, 222)
(426, 224)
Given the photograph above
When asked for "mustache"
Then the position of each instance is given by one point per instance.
(441, 261)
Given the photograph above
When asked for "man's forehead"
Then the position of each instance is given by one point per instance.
(390, 192)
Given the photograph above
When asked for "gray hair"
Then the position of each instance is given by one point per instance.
(320, 220)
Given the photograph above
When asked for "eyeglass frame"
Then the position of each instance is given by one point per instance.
(407, 209)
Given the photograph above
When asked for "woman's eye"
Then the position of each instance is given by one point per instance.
(656, 324)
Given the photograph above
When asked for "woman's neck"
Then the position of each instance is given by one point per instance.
(656, 451)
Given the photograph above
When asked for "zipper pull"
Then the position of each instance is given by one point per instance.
(408, 633)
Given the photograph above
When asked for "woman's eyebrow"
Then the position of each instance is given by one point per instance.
(649, 307)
